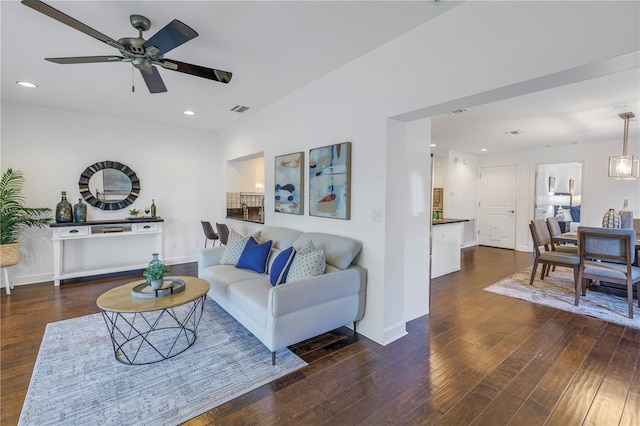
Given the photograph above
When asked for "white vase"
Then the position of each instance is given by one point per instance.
(157, 284)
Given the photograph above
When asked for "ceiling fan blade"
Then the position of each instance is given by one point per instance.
(171, 36)
(85, 59)
(153, 80)
(197, 70)
(73, 23)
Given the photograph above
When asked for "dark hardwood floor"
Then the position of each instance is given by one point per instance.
(478, 358)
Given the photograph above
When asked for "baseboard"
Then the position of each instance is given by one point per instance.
(382, 337)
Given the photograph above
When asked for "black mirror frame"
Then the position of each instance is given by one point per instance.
(86, 194)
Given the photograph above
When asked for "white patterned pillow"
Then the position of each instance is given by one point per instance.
(306, 265)
(307, 247)
(235, 246)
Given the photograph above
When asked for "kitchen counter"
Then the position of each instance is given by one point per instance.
(448, 220)
(446, 241)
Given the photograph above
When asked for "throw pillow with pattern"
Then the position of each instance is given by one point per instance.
(306, 265)
(235, 246)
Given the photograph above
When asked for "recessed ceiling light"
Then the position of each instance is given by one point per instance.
(433, 144)
(27, 84)
(483, 150)
(514, 132)
(189, 112)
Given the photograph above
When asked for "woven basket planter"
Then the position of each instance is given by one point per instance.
(9, 254)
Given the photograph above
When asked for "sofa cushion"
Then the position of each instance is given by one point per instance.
(339, 251)
(235, 246)
(280, 266)
(251, 297)
(306, 265)
(282, 237)
(222, 276)
(255, 256)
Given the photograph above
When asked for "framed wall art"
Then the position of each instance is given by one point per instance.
(289, 183)
(330, 181)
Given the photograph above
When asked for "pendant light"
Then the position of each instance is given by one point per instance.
(624, 166)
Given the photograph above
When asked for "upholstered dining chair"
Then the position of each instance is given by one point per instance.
(223, 232)
(542, 238)
(607, 255)
(209, 233)
(554, 230)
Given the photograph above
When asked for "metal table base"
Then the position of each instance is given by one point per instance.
(147, 337)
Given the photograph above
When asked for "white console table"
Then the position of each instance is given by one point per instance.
(120, 234)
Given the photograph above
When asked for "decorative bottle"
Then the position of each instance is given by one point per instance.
(155, 259)
(80, 211)
(153, 208)
(626, 216)
(611, 219)
(63, 210)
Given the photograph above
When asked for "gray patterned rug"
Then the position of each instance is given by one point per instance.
(556, 291)
(76, 379)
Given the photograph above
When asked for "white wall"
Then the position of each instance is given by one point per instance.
(494, 44)
(53, 147)
(599, 193)
(475, 47)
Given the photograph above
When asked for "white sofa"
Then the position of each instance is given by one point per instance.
(288, 313)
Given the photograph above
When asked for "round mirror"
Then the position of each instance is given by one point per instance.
(109, 185)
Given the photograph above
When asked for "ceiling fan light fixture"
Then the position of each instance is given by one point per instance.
(26, 84)
(624, 167)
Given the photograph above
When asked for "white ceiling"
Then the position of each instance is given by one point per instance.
(573, 114)
(274, 48)
(271, 47)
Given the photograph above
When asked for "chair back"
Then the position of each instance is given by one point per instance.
(540, 232)
(223, 232)
(208, 230)
(607, 244)
(553, 226)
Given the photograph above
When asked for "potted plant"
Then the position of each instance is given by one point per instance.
(155, 273)
(15, 216)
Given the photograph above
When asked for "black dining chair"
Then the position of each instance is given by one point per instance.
(223, 232)
(607, 255)
(209, 233)
(548, 258)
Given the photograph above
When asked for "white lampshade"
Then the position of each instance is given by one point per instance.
(624, 167)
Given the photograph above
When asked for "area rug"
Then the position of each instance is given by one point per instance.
(556, 291)
(77, 380)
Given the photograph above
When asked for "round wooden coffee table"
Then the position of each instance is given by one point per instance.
(148, 330)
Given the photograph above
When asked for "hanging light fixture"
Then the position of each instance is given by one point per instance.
(624, 166)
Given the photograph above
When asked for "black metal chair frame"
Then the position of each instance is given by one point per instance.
(209, 233)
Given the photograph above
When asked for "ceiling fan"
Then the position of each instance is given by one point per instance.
(143, 54)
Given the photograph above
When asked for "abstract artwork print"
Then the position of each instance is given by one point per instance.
(330, 181)
(289, 186)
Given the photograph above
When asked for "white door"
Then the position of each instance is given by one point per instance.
(497, 206)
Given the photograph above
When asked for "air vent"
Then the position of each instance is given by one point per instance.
(239, 108)
(458, 111)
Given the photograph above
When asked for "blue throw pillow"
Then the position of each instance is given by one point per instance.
(280, 266)
(255, 256)
(575, 213)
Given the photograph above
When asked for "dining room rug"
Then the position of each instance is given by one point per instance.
(556, 291)
(77, 380)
